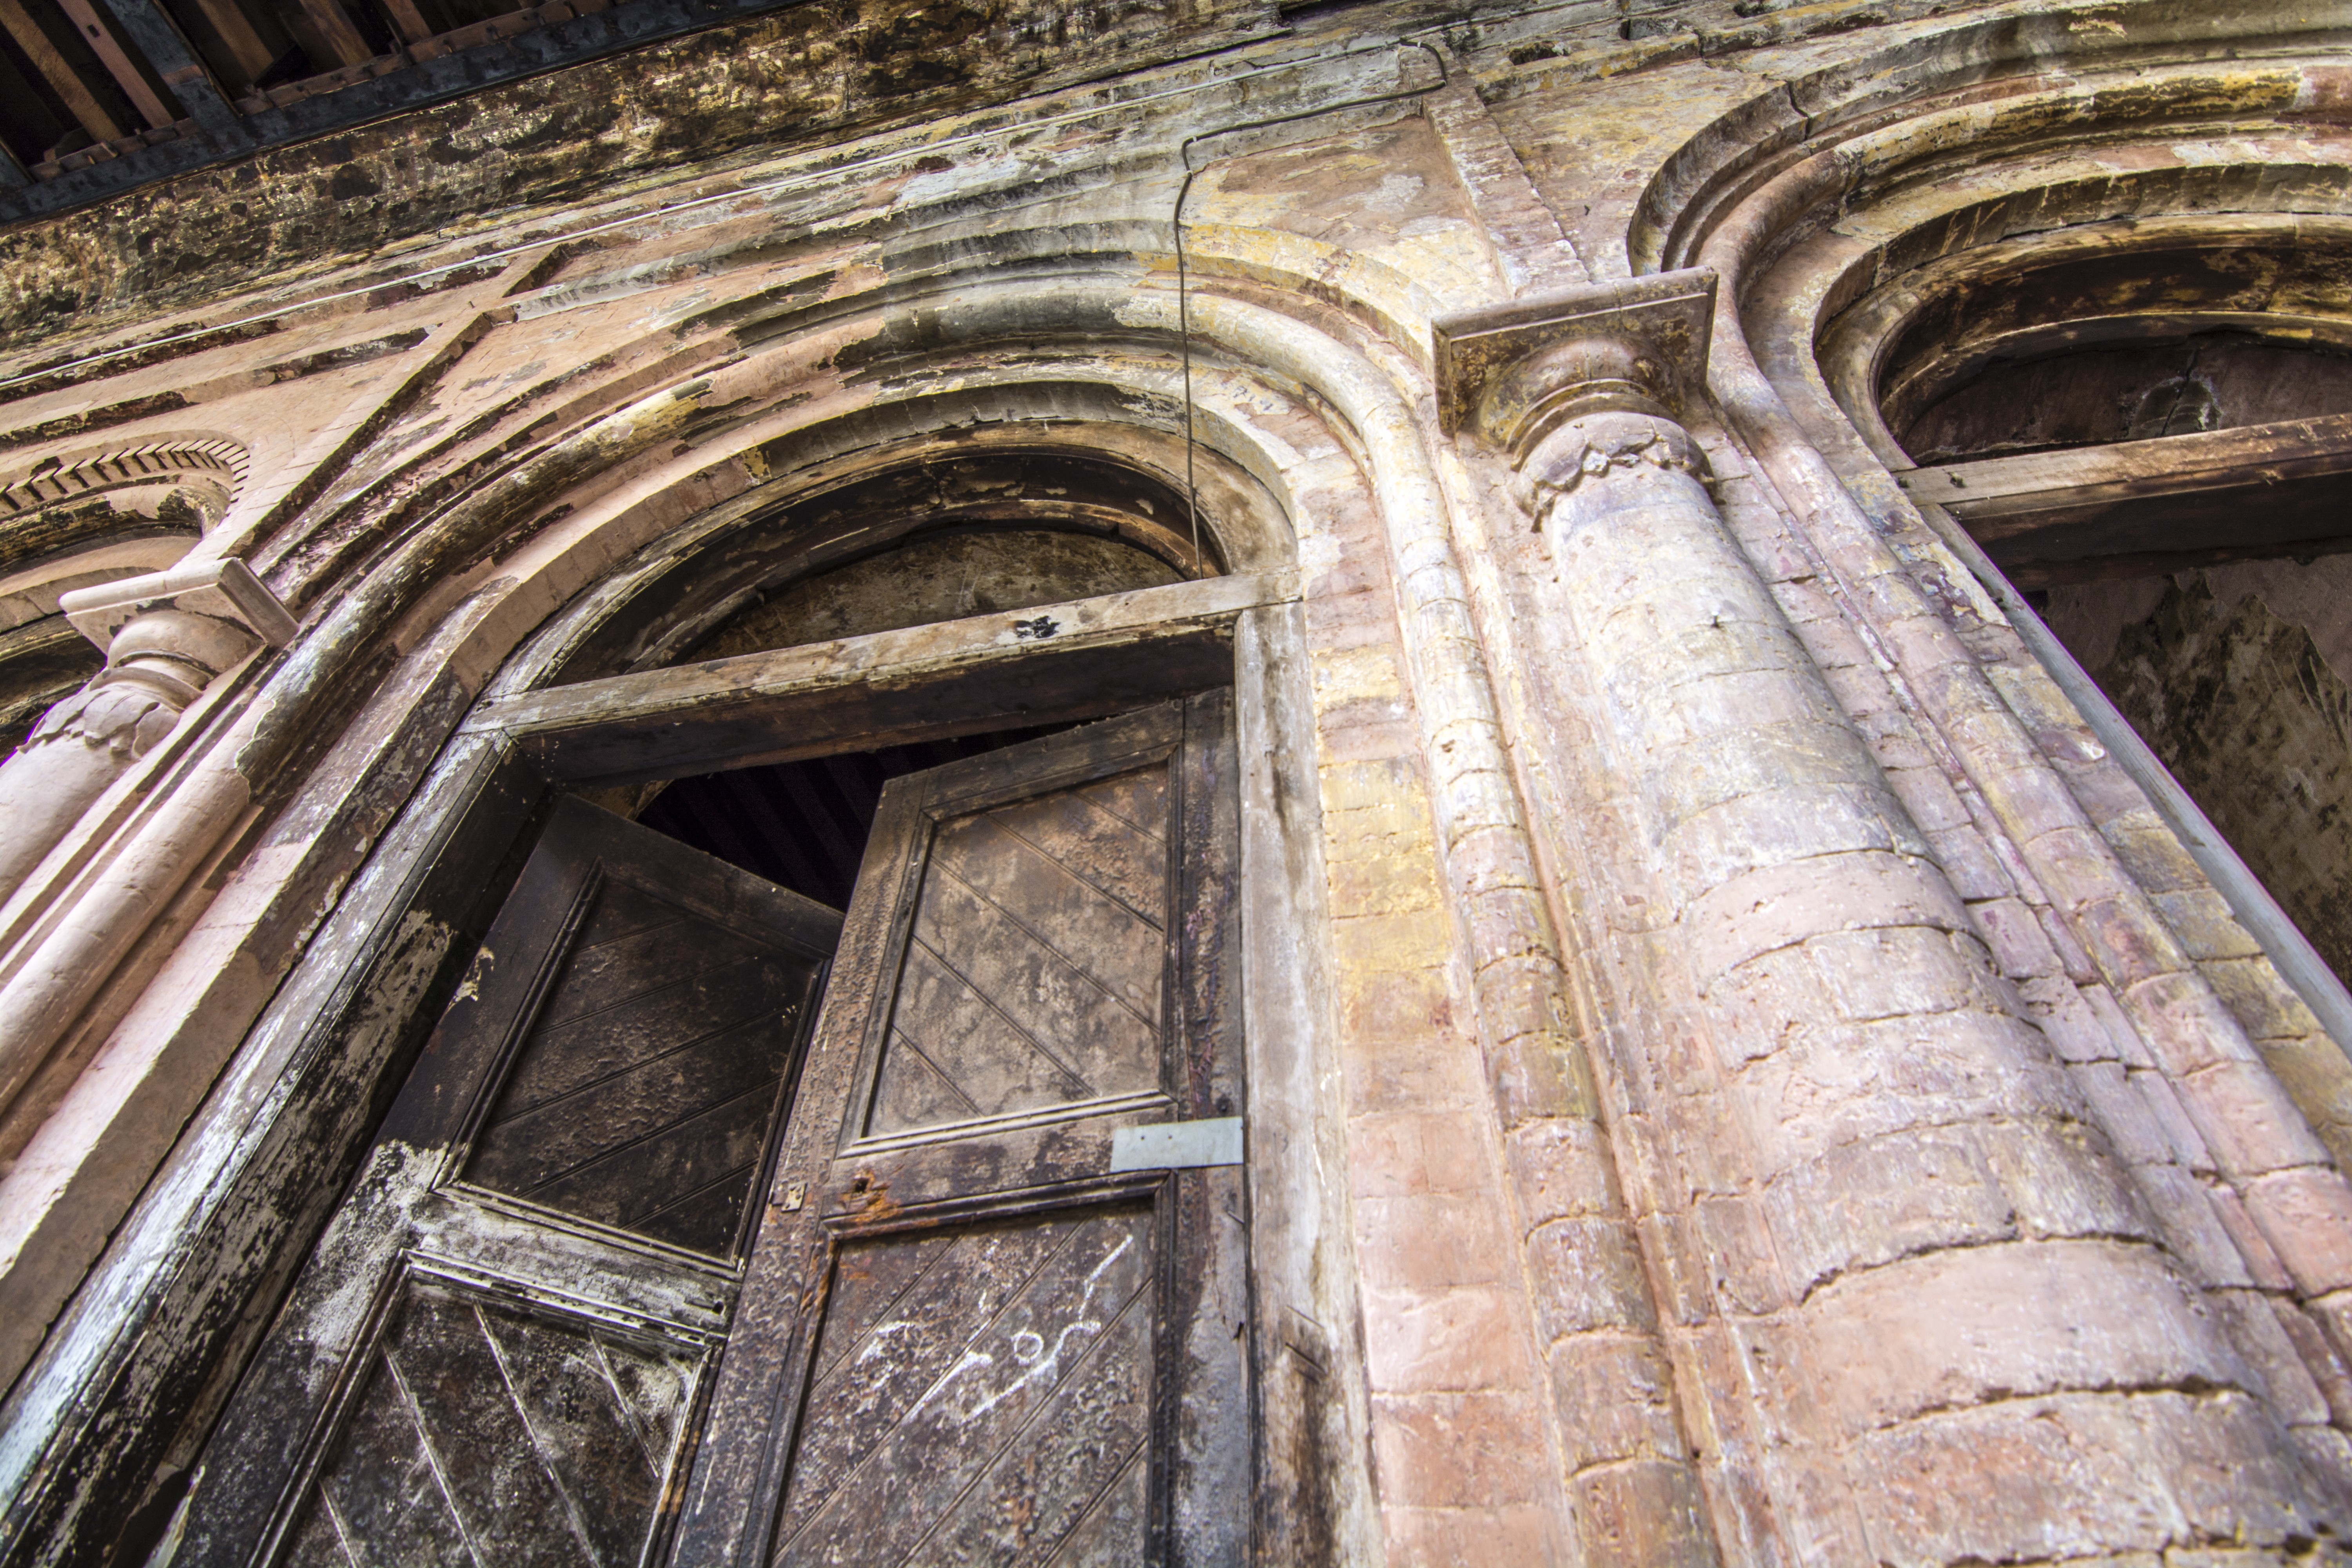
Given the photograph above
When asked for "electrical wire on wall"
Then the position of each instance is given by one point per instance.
(1183, 275)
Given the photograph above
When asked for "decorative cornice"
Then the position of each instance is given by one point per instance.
(1647, 336)
(52, 482)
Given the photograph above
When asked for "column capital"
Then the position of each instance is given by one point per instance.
(1512, 372)
(225, 589)
(172, 631)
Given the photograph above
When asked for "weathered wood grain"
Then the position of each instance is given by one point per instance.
(961, 1339)
(2162, 503)
(483, 1435)
(541, 1370)
(2204, 459)
(1032, 973)
(1045, 665)
(926, 1470)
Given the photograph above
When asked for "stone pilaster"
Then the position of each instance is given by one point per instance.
(1631, 1482)
(167, 635)
(1869, 1149)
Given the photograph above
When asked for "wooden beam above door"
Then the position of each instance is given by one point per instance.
(1048, 664)
(2162, 504)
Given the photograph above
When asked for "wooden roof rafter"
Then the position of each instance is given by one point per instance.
(97, 96)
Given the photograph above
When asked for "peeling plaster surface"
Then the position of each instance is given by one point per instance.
(2238, 677)
(1741, 1077)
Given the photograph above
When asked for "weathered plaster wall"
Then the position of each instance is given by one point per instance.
(1904, 1195)
(2237, 676)
(620, 123)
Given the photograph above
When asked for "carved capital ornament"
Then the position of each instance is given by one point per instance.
(166, 634)
(1514, 373)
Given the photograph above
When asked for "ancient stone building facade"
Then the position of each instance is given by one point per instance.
(939, 781)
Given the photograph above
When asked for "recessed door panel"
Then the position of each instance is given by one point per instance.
(966, 1338)
(642, 1096)
(498, 1350)
(978, 1413)
(1033, 975)
(481, 1432)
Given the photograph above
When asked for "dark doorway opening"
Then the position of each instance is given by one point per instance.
(803, 825)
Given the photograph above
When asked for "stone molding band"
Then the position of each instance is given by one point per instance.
(139, 464)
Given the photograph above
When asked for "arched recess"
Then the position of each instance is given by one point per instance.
(624, 566)
(2141, 423)
(1860, 245)
(1081, 475)
(2149, 194)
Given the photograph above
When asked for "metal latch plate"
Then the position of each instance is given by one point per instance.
(1178, 1146)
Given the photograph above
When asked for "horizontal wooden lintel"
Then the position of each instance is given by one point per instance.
(2120, 567)
(2251, 455)
(1046, 664)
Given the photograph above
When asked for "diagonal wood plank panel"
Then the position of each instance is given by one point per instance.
(485, 1436)
(982, 1402)
(642, 1096)
(1034, 973)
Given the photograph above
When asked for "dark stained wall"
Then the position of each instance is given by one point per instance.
(940, 579)
(588, 130)
(2246, 707)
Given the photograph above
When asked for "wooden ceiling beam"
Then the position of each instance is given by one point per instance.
(66, 82)
(409, 20)
(237, 35)
(118, 64)
(2166, 465)
(174, 59)
(328, 34)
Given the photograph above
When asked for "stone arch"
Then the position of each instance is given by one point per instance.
(162, 485)
(567, 534)
(1851, 254)
(1891, 366)
(779, 530)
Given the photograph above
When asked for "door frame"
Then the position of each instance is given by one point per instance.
(355, 1011)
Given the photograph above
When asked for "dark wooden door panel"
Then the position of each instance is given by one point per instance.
(642, 1095)
(482, 1433)
(965, 1338)
(1032, 974)
(977, 1416)
(496, 1350)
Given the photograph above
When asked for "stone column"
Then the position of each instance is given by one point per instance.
(167, 635)
(1939, 1324)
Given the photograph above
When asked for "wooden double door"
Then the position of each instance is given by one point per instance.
(713, 1227)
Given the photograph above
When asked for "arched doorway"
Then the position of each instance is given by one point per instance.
(1041, 963)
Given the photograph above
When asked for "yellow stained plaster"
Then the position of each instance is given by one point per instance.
(1389, 946)
(1348, 674)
